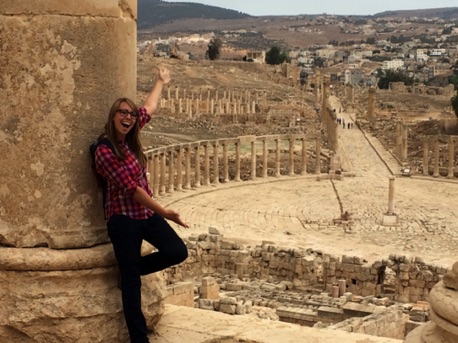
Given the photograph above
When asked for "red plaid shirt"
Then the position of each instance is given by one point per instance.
(123, 177)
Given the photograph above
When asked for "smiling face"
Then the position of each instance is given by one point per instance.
(124, 120)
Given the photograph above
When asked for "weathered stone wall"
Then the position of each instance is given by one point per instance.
(401, 278)
(389, 324)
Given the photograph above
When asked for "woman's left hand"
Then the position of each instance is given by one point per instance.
(175, 217)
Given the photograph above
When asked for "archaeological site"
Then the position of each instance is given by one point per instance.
(319, 210)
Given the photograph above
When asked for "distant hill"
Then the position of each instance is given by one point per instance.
(448, 13)
(156, 12)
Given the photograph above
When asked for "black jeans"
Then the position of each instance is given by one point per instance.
(126, 235)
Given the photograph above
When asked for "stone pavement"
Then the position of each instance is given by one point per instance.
(299, 210)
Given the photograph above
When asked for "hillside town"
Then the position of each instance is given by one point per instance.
(423, 48)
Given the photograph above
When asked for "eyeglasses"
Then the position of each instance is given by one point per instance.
(124, 113)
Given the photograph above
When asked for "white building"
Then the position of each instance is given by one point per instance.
(393, 64)
(422, 55)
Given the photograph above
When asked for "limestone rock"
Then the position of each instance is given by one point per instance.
(451, 278)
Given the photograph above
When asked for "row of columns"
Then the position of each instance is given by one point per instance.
(194, 107)
(186, 166)
(451, 158)
(229, 102)
(402, 151)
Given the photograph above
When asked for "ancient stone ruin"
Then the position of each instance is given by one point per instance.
(62, 66)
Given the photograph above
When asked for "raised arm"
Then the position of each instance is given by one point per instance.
(152, 100)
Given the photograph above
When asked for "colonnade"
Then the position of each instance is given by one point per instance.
(213, 102)
(211, 162)
(449, 153)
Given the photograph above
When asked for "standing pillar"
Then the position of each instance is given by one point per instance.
(304, 157)
(180, 169)
(206, 163)
(237, 161)
(390, 218)
(54, 237)
(318, 156)
(177, 92)
(451, 157)
(405, 136)
(425, 158)
(436, 159)
(163, 172)
(171, 173)
(277, 157)
(264, 158)
(399, 139)
(216, 163)
(253, 159)
(291, 157)
(197, 183)
(188, 167)
(225, 162)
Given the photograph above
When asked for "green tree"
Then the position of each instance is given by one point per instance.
(214, 48)
(276, 56)
(390, 75)
(454, 103)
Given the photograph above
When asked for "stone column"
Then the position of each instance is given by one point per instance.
(171, 172)
(277, 157)
(436, 158)
(304, 157)
(253, 159)
(180, 169)
(318, 156)
(390, 218)
(425, 158)
(405, 136)
(264, 158)
(317, 87)
(399, 139)
(237, 161)
(291, 157)
(225, 162)
(206, 163)
(163, 173)
(62, 66)
(188, 167)
(391, 195)
(451, 157)
(342, 286)
(197, 166)
(216, 163)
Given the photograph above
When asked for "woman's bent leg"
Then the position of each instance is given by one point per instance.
(171, 248)
(126, 237)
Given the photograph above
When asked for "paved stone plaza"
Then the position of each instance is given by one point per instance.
(299, 211)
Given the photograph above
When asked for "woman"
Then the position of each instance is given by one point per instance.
(132, 214)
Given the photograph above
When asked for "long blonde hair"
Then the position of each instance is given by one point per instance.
(132, 137)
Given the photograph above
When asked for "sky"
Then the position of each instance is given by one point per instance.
(342, 7)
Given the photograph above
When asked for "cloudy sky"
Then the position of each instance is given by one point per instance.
(295, 7)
